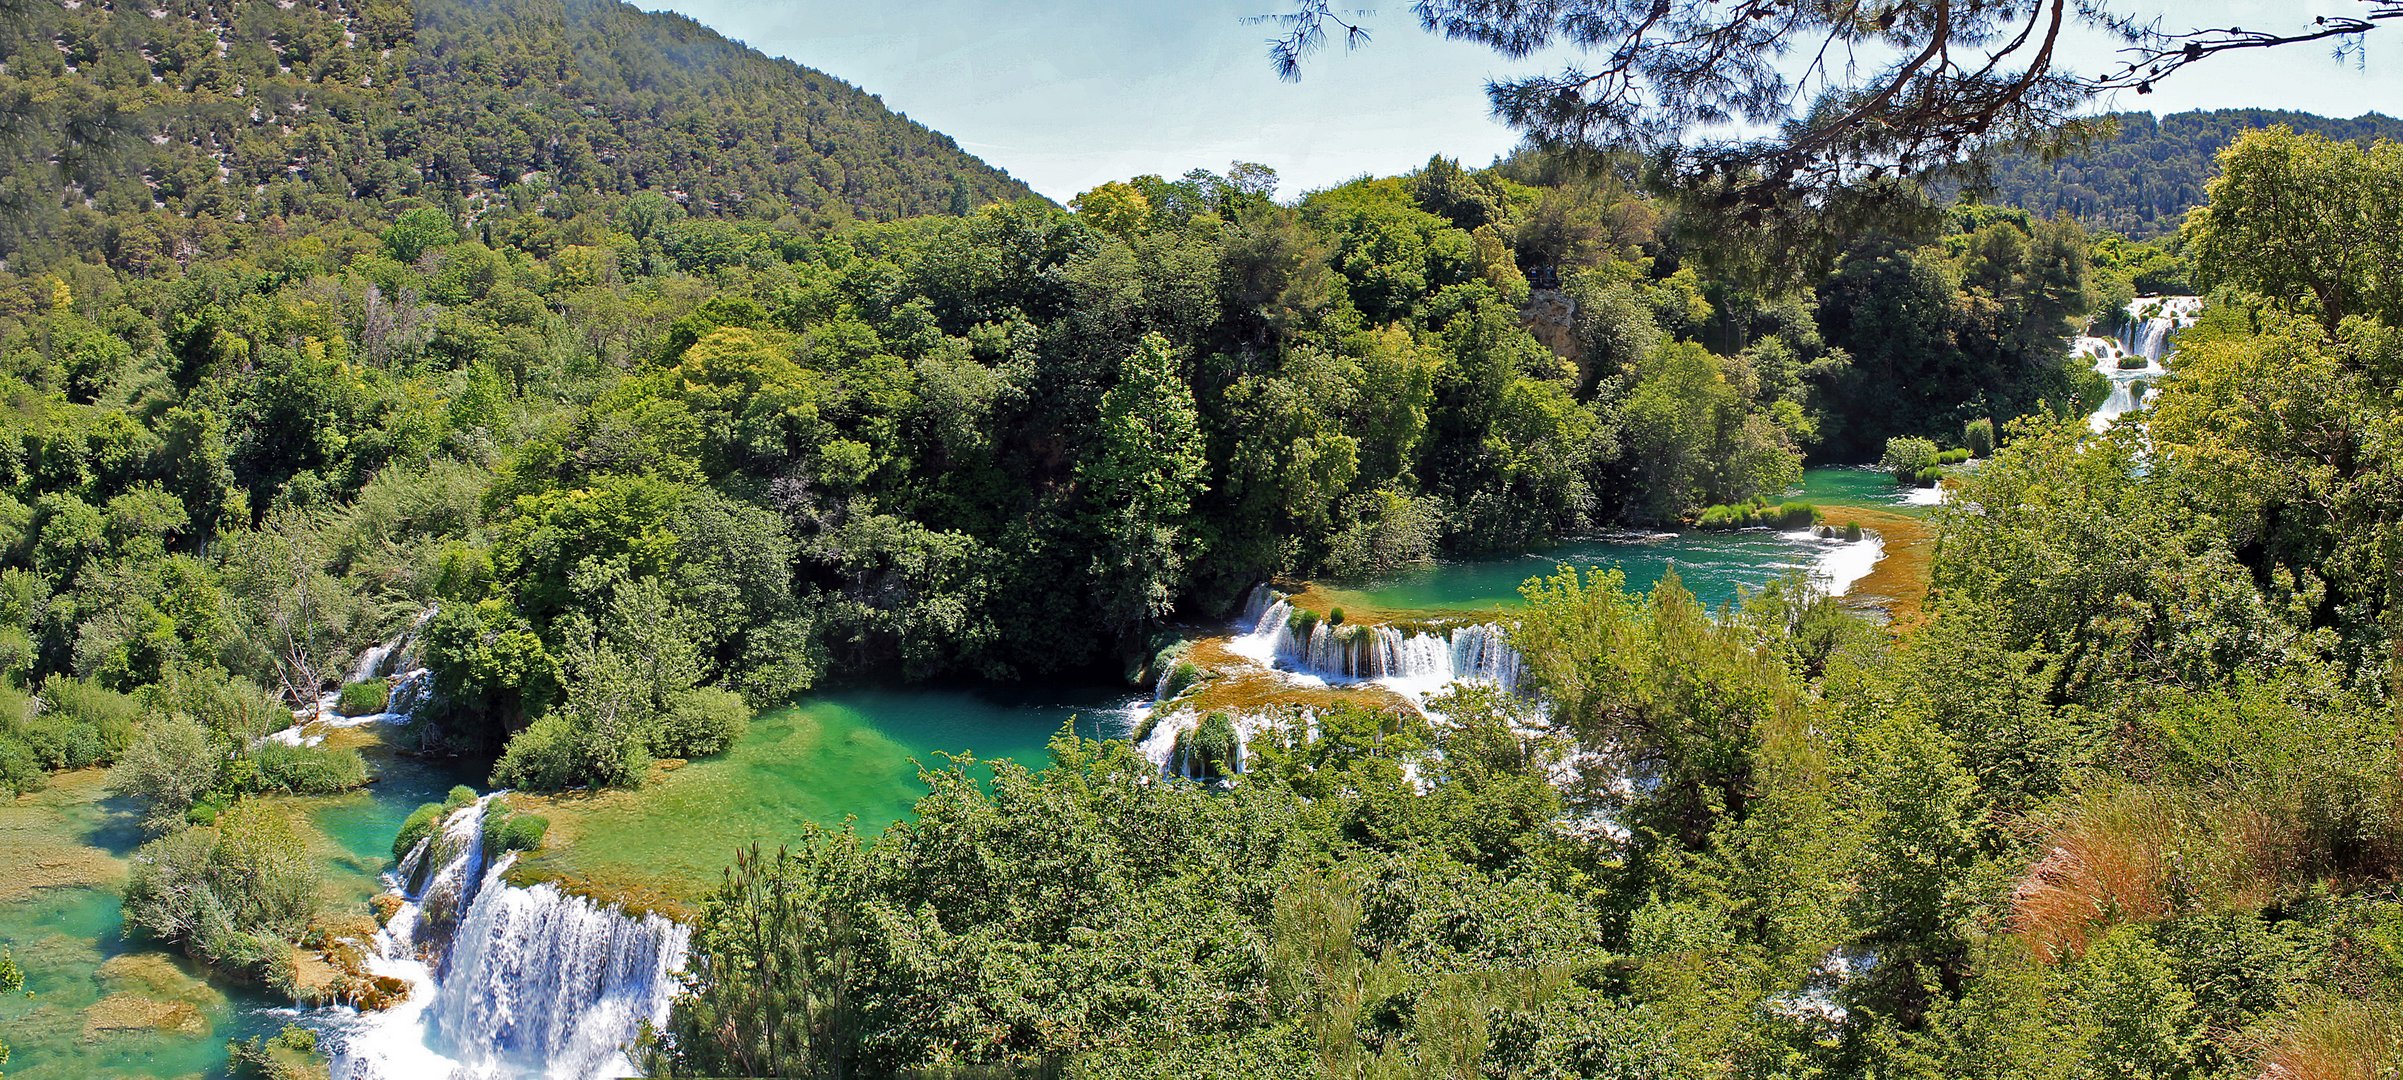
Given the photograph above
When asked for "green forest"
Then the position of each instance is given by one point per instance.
(2143, 173)
(666, 383)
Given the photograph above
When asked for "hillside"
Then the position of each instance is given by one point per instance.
(230, 115)
(2142, 180)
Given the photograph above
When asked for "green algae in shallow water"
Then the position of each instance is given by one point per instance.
(106, 1005)
(845, 754)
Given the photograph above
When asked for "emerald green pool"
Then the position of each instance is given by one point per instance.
(105, 1004)
(1857, 485)
(1717, 567)
(848, 755)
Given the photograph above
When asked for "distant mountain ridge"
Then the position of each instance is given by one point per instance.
(229, 114)
(2142, 180)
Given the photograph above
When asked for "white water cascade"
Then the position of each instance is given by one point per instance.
(2146, 335)
(504, 981)
(1415, 662)
(396, 660)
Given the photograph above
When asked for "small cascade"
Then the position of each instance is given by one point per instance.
(541, 982)
(2136, 361)
(2152, 321)
(504, 981)
(1408, 659)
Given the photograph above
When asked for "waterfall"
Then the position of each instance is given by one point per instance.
(2150, 322)
(504, 981)
(2145, 336)
(386, 658)
(544, 983)
(1416, 661)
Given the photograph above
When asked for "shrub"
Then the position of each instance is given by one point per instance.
(1952, 457)
(79, 724)
(699, 722)
(1852, 531)
(506, 830)
(1335, 616)
(1978, 436)
(232, 895)
(1210, 750)
(290, 1054)
(428, 817)
(1759, 513)
(1181, 677)
(1906, 456)
(1930, 476)
(555, 753)
(307, 770)
(2130, 361)
(364, 698)
(419, 822)
(168, 768)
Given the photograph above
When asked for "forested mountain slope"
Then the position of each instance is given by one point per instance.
(181, 128)
(2141, 180)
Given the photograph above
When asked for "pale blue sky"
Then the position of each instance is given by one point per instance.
(1069, 93)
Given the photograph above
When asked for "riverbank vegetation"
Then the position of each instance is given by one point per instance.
(2122, 801)
(662, 432)
(643, 462)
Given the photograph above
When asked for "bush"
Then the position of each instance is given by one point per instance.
(1906, 456)
(554, 754)
(1952, 457)
(1759, 513)
(1852, 531)
(507, 830)
(290, 1054)
(1335, 616)
(1978, 436)
(365, 698)
(232, 895)
(419, 822)
(1181, 677)
(78, 724)
(307, 770)
(699, 722)
(1211, 750)
(1929, 477)
(426, 818)
(168, 768)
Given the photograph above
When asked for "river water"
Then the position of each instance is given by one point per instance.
(106, 1006)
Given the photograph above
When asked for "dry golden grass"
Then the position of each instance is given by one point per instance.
(2135, 855)
(2353, 1040)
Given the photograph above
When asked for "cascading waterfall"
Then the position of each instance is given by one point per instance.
(2152, 320)
(541, 982)
(2146, 335)
(1410, 658)
(504, 981)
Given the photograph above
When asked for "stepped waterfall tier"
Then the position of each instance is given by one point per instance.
(2136, 360)
(1410, 659)
(504, 981)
